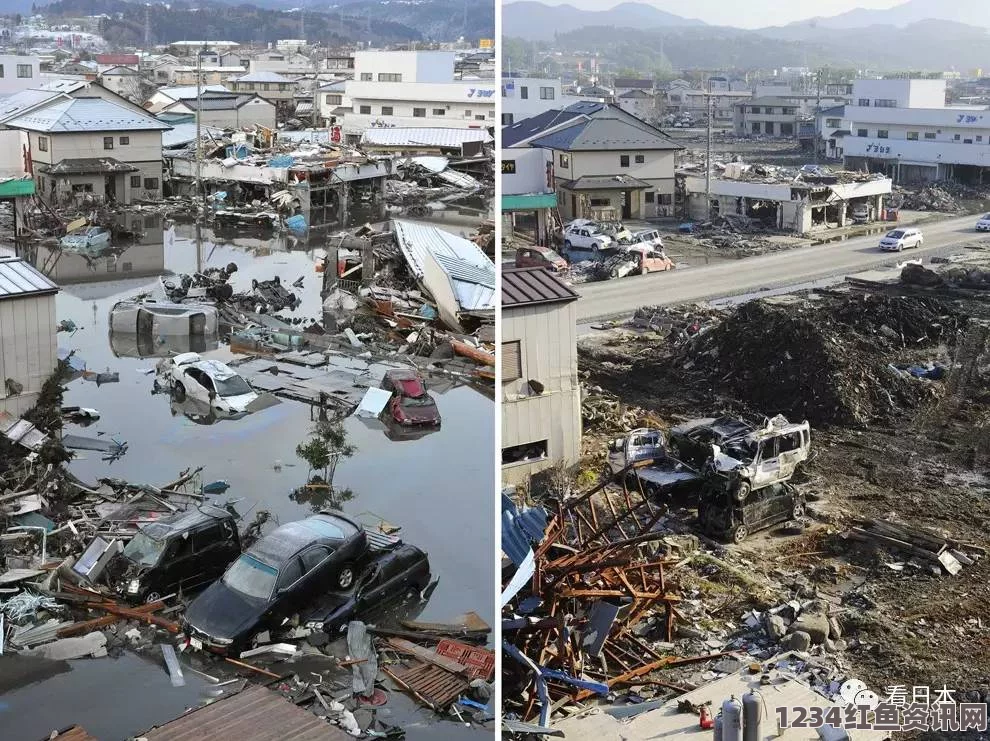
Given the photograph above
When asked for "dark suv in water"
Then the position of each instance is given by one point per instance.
(180, 553)
(282, 573)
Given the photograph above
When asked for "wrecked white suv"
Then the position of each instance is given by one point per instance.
(750, 456)
(586, 237)
(188, 376)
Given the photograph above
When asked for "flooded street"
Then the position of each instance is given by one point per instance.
(437, 488)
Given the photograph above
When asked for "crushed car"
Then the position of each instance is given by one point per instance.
(281, 574)
(176, 554)
(748, 456)
(661, 476)
(189, 376)
(540, 257)
(722, 515)
(638, 259)
(273, 294)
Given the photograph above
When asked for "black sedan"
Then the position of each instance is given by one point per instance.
(275, 578)
(392, 576)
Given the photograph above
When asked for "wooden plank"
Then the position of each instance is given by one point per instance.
(427, 655)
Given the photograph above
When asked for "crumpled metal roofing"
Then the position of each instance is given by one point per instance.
(521, 528)
(425, 137)
(470, 270)
(86, 114)
(20, 278)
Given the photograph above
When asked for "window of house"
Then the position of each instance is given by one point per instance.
(439, 112)
(135, 181)
(126, 267)
(789, 111)
(650, 196)
(864, 102)
(125, 140)
(623, 160)
(365, 109)
(979, 137)
(266, 86)
(151, 183)
(511, 361)
(756, 127)
(912, 136)
(929, 135)
(546, 93)
(389, 77)
(82, 188)
(467, 113)
(832, 123)
(524, 92)
(885, 103)
(861, 132)
(108, 142)
(334, 99)
(419, 113)
(882, 133)
(386, 110)
(640, 159)
(367, 77)
(601, 202)
(522, 453)
(956, 137)
(1, 70)
(42, 143)
(507, 119)
(967, 141)
(508, 167)
(24, 70)
(666, 199)
(565, 160)
(479, 117)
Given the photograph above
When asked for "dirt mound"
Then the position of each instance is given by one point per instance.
(826, 361)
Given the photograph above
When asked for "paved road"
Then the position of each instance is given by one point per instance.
(617, 298)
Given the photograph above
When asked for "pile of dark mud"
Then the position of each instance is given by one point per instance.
(826, 360)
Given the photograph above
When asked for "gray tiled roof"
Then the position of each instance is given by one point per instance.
(86, 114)
(532, 286)
(601, 134)
(19, 278)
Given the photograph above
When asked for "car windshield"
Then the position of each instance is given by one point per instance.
(986, 217)
(895, 234)
(417, 401)
(251, 577)
(233, 386)
(144, 549)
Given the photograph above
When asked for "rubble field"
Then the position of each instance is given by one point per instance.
(896, 388)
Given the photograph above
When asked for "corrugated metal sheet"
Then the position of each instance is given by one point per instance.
(86, 114)
(521, 528)
(528, 286)
(254, 713)
(470, 270)
(19, 278)
(426, 137)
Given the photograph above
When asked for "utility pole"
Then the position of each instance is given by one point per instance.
(818, 110)
(199, 128)
(708, 152)
(316, 89)
(147, 25)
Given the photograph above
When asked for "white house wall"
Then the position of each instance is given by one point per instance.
(531, 171)
(28, 351)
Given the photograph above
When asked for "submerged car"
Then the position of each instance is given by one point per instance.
(281, 574)
(897, 240)
(410, 404)
(163, 319)
(180, 553)
(721, 516)
(540, 257)
(744, 455)
(90, 239)
(190, 376)
(393, 575)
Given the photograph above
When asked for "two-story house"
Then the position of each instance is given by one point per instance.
(92, 147)
(271, 86)
(607, 163)
(541, 395)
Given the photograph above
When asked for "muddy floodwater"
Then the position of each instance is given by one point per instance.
(438, 488)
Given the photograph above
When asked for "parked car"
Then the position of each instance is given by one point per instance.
(586, 238)
(721, 516)
(189, 375)
(411, 403)
(540, 257)
(180, 553)
(983, 225)
(745, 456)
(897, 240)
(90, 239)
(391, 576)
(163, 318)
(281, 574)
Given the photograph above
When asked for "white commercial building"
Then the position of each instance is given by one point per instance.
(18, 73)
(524, 97)
(904, 129)
(412, 89)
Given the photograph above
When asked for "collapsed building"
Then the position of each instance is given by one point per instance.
(812, 199)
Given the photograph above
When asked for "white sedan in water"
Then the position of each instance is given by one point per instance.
(983, 225)
(187, 375)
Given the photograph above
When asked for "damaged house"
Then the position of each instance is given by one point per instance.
(802, 203)
(226, 110)
(607, 164)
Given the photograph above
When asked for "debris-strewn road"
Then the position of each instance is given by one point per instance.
(781, 269)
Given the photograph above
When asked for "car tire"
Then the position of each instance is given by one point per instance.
(151, 597)
(594, 249)
(179, 391)
(742, 491)
(567, 244)
(738, 533)
(614, 273)
(797, 511)
(652, 492)
(345, 577)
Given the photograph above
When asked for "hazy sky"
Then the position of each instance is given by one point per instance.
(750, 14)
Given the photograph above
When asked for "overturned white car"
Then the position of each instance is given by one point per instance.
(189, 376)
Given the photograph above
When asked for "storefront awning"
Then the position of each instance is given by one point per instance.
(529, 201)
